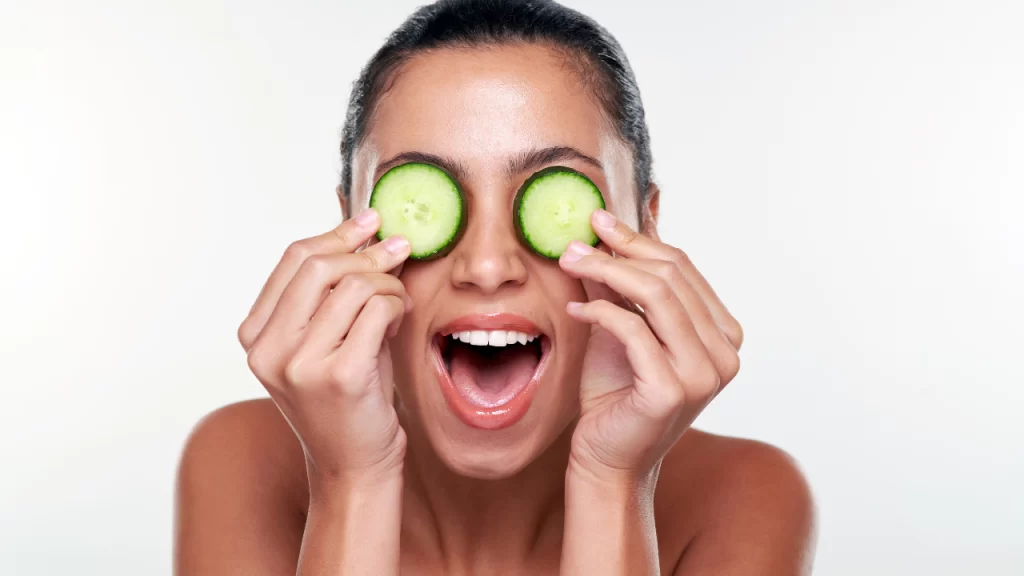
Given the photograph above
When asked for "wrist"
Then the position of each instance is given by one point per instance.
(353, 525)
(609, 522)
(618, 495)
(349, 490)
(597, 478)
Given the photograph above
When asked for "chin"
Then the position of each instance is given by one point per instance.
(484, 461)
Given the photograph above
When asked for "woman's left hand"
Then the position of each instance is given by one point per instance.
(647, 372)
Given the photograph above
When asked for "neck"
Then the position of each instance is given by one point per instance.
(465, 522)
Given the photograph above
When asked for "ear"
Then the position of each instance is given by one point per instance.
(341, 201)
(649, 212)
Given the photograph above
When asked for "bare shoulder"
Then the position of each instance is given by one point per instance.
(249, 438)
(241, 492)
(734, 506)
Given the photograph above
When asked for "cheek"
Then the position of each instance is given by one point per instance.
(558, 289)
(418, 281)
(412, 357)
(422, 281)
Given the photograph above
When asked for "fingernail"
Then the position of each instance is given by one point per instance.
(396, 245)
(570, 256)
(576, 250)
(604, 219)
(573, 306)
(367, 218)
(579, 249)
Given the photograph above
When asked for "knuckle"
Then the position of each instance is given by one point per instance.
(668, 401)
(298, 372)
(658, 291)
(636, 323)
(705, 385)
(247, 333)
(730, 368)
(627, 234)
(262, 362)
(298, 251)
(345, 374)
(672, 399)
(675, 275)
(355, 285)
(734, 333)
(371, 258)
(373, 305)
(679, 257)
(379, 305)
(666, 270)
(316, 266)
(345, 234)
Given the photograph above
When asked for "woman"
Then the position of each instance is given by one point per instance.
(387, 446)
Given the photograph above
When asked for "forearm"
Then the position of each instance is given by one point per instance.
(609, 526)
(353, 529)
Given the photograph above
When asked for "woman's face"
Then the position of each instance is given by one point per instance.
(493, 116)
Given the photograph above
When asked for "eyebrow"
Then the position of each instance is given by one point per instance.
(534, 159)
(453, 167)
(522, 162)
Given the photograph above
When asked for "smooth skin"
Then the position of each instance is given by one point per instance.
(355, 465)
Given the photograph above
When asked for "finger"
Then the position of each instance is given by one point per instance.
(333, 320)
(379, 316)
(661, 306)
(320, 273)
(396, 271)
(600, 291)
(657, 383)
(627, 242)
(723, 354)
(724, 319)
(345, 238)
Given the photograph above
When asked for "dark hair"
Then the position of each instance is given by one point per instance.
(469, 23)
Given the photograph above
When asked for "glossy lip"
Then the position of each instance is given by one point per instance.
(498, 321)
(509, 411)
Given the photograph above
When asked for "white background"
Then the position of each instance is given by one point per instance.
(849, 175)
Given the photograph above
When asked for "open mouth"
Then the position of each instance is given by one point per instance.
(489, 368)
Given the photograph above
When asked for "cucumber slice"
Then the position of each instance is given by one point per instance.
(553, 208)
(422, 203)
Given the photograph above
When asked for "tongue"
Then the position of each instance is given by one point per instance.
(490, 376)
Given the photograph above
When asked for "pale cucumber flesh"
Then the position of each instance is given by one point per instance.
(553, 208)
(422, 203)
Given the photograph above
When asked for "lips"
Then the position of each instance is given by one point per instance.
(488, 367)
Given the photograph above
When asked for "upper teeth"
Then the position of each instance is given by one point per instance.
(493, 337)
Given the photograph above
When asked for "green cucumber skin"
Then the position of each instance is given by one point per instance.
(523, 236)
(444, 250)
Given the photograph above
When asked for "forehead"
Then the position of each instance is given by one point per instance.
(482, 106)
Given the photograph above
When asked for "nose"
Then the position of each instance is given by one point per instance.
(489, 258)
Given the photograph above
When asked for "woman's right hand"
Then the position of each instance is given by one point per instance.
(316, 338)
